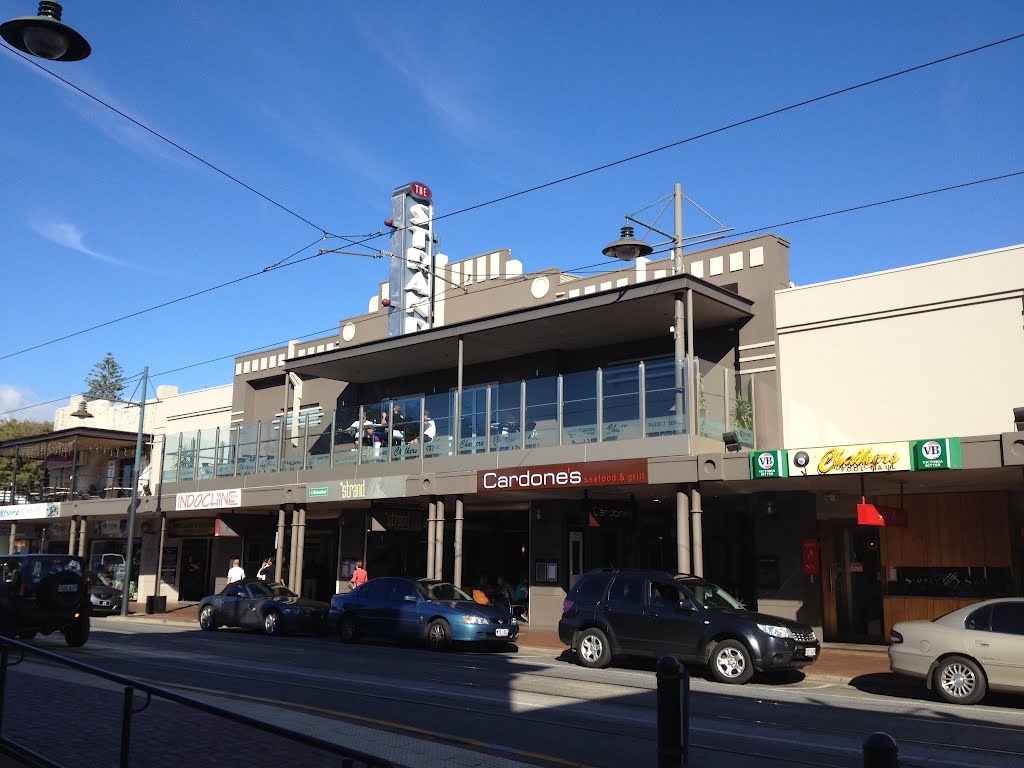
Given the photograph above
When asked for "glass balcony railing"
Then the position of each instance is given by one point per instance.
(622, 402)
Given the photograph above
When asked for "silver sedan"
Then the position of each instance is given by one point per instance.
(964, 654)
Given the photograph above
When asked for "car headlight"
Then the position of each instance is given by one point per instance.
(775, 631)
(514, 620)
(474, 620)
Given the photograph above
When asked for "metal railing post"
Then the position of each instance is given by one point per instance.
(673, 713)
(881, 751)
(126, 726)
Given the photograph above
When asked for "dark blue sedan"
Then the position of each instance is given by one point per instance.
(435, 612)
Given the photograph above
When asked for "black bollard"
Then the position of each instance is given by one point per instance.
(670, 737)
(881, 751)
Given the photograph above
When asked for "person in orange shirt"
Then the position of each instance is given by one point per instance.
(359, 575)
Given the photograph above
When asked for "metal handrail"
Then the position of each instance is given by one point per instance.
(349, 756)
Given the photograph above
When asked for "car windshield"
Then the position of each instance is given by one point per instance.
(442, 590)
(101, 578)
(270, 589)
(710, 595)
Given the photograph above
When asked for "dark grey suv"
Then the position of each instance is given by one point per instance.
(44, 594)
(624, 612)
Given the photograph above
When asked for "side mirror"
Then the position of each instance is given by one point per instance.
(686, 606)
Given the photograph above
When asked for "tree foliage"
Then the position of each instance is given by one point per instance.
(30, 471)
(106, 380)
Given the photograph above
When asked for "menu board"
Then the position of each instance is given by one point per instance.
(169, 568)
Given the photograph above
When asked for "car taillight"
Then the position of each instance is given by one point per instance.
(566, 605)
(896, 638)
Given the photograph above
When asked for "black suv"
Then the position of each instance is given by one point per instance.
(44, 593)
(624, 612)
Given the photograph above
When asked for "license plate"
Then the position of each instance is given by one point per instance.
(501, 633)
(67, 587)
(103, 603)
(810, 653)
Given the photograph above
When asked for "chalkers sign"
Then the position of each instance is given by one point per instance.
(585, 475)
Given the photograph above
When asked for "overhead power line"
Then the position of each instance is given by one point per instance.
(578, 270)
(503, 198)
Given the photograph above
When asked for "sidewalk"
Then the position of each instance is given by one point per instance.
(838, 663)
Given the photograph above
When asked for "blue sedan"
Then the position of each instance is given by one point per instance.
(435, 612)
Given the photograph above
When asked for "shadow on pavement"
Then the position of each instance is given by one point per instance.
(888, 684)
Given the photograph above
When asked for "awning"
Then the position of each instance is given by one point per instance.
(618, 316)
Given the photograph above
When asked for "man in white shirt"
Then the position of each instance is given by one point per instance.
(235, 573)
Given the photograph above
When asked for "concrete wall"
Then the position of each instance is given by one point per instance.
(930, 350)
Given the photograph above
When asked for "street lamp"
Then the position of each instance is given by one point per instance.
(83, 413)
(44, 35)
(628, 248)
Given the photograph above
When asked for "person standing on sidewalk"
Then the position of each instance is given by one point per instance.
(359, 575)
(235, 572)
(264, 572)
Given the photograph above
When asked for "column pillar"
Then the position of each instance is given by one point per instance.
(459, 519)
(439, 536)
(160, 556)
(81, 536)
(300, 549)
(10, 539)
(683, 553)
(698, 533)
(431, 510)
(337, 562)
(73, 535)
(279, 554)
(291, 551)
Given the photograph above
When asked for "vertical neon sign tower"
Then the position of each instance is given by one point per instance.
(411, 285)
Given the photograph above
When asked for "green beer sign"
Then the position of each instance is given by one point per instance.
(769, 464)
(940, 453)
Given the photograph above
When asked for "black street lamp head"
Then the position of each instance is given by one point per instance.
(628, 248)
(45, 36)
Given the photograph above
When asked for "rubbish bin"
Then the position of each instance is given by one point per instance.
(156, 604)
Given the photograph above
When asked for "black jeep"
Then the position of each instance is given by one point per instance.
(43, 594)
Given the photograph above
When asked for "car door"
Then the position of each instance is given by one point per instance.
(232, 604)
(249, 611)
(675, 624)
(624, 611)
(371, 606)
(400, 614)
(1002, 650)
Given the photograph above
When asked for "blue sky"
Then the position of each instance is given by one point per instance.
(327, 107)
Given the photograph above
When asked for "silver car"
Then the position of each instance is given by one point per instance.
(964, 654)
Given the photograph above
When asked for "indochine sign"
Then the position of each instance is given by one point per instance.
(231, 497)
(587, 475)
(850, 459)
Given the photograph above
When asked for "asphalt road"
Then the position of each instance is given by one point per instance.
(541, 708)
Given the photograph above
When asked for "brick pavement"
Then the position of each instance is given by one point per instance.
(838, 663)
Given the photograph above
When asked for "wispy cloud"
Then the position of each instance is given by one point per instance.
(17, 404)
(66, 234)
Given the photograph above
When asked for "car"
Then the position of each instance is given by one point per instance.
(966, 653)
(427, 610)
(105, 598)
(613, 612)
(42, 594)
(263, 605)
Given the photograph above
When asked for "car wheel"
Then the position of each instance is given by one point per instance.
(206, 619)
(347, 629)
(439, 635)
(592, 649)
(730, 662)
(77, 633)
(272, 623)
(958, 680)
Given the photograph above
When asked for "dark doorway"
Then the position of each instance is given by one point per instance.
(195, 570)
(852, 583)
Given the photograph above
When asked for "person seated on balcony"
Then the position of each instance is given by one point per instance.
(429, 430)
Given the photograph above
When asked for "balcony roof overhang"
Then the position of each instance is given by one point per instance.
(617, 316)
(88, 440)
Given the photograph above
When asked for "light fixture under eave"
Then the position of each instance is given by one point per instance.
(82, 412)
(627, 247)
(45, 36)
(732, 442)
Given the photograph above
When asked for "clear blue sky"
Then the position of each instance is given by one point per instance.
(326, 107)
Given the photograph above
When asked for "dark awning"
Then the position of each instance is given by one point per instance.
(630, 313)
(89, 440)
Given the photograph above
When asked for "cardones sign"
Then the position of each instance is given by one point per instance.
(582, 475)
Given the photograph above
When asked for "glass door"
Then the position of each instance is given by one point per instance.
(853, 585)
